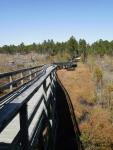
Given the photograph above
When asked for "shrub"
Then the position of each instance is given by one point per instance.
(98, 130)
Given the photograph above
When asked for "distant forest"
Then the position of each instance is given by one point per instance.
(72, 46)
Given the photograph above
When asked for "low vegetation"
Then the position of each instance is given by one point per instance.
(90, 86)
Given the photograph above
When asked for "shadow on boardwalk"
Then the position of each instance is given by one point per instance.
(67, 131)
(67, 137)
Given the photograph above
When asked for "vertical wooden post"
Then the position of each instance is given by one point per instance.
(53, 85)
(24, 138)
(22, 81)
(51, 80)
(44, 86)
(30, 75)
(11, 79)
(45, 95)
(35, 73)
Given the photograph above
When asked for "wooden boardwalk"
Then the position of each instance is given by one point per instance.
(40, 116)
(8, 134)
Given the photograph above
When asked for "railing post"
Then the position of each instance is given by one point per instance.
(11, 79)
(44, 86)
(22, 81)
(53, 78)
(35, 73)
(24, 138)
(30, 75)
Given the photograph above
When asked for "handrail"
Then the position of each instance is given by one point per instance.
(19, 105)
(18, 79)
(2, 75)
(17, 91)
(7, 85)
(35, 104)
(66, 65)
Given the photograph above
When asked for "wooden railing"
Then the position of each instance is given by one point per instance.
(43, 109)
(10, 82)
(29, 112)
(66, 65)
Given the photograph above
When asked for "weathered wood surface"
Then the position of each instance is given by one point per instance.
(39, 115)
(8, 111)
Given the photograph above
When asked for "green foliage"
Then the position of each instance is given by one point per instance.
(82, 46)
(72, 46)
(102, 47)
(84, 138)
(83, 49)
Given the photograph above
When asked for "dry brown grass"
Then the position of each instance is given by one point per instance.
(97, 128)
(10, 62)
(79, 85)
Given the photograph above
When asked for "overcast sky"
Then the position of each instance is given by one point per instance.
(31, 21)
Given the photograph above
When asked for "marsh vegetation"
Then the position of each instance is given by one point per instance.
(90, 86)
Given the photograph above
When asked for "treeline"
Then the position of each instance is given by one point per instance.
(48, 46)
(72, 46)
